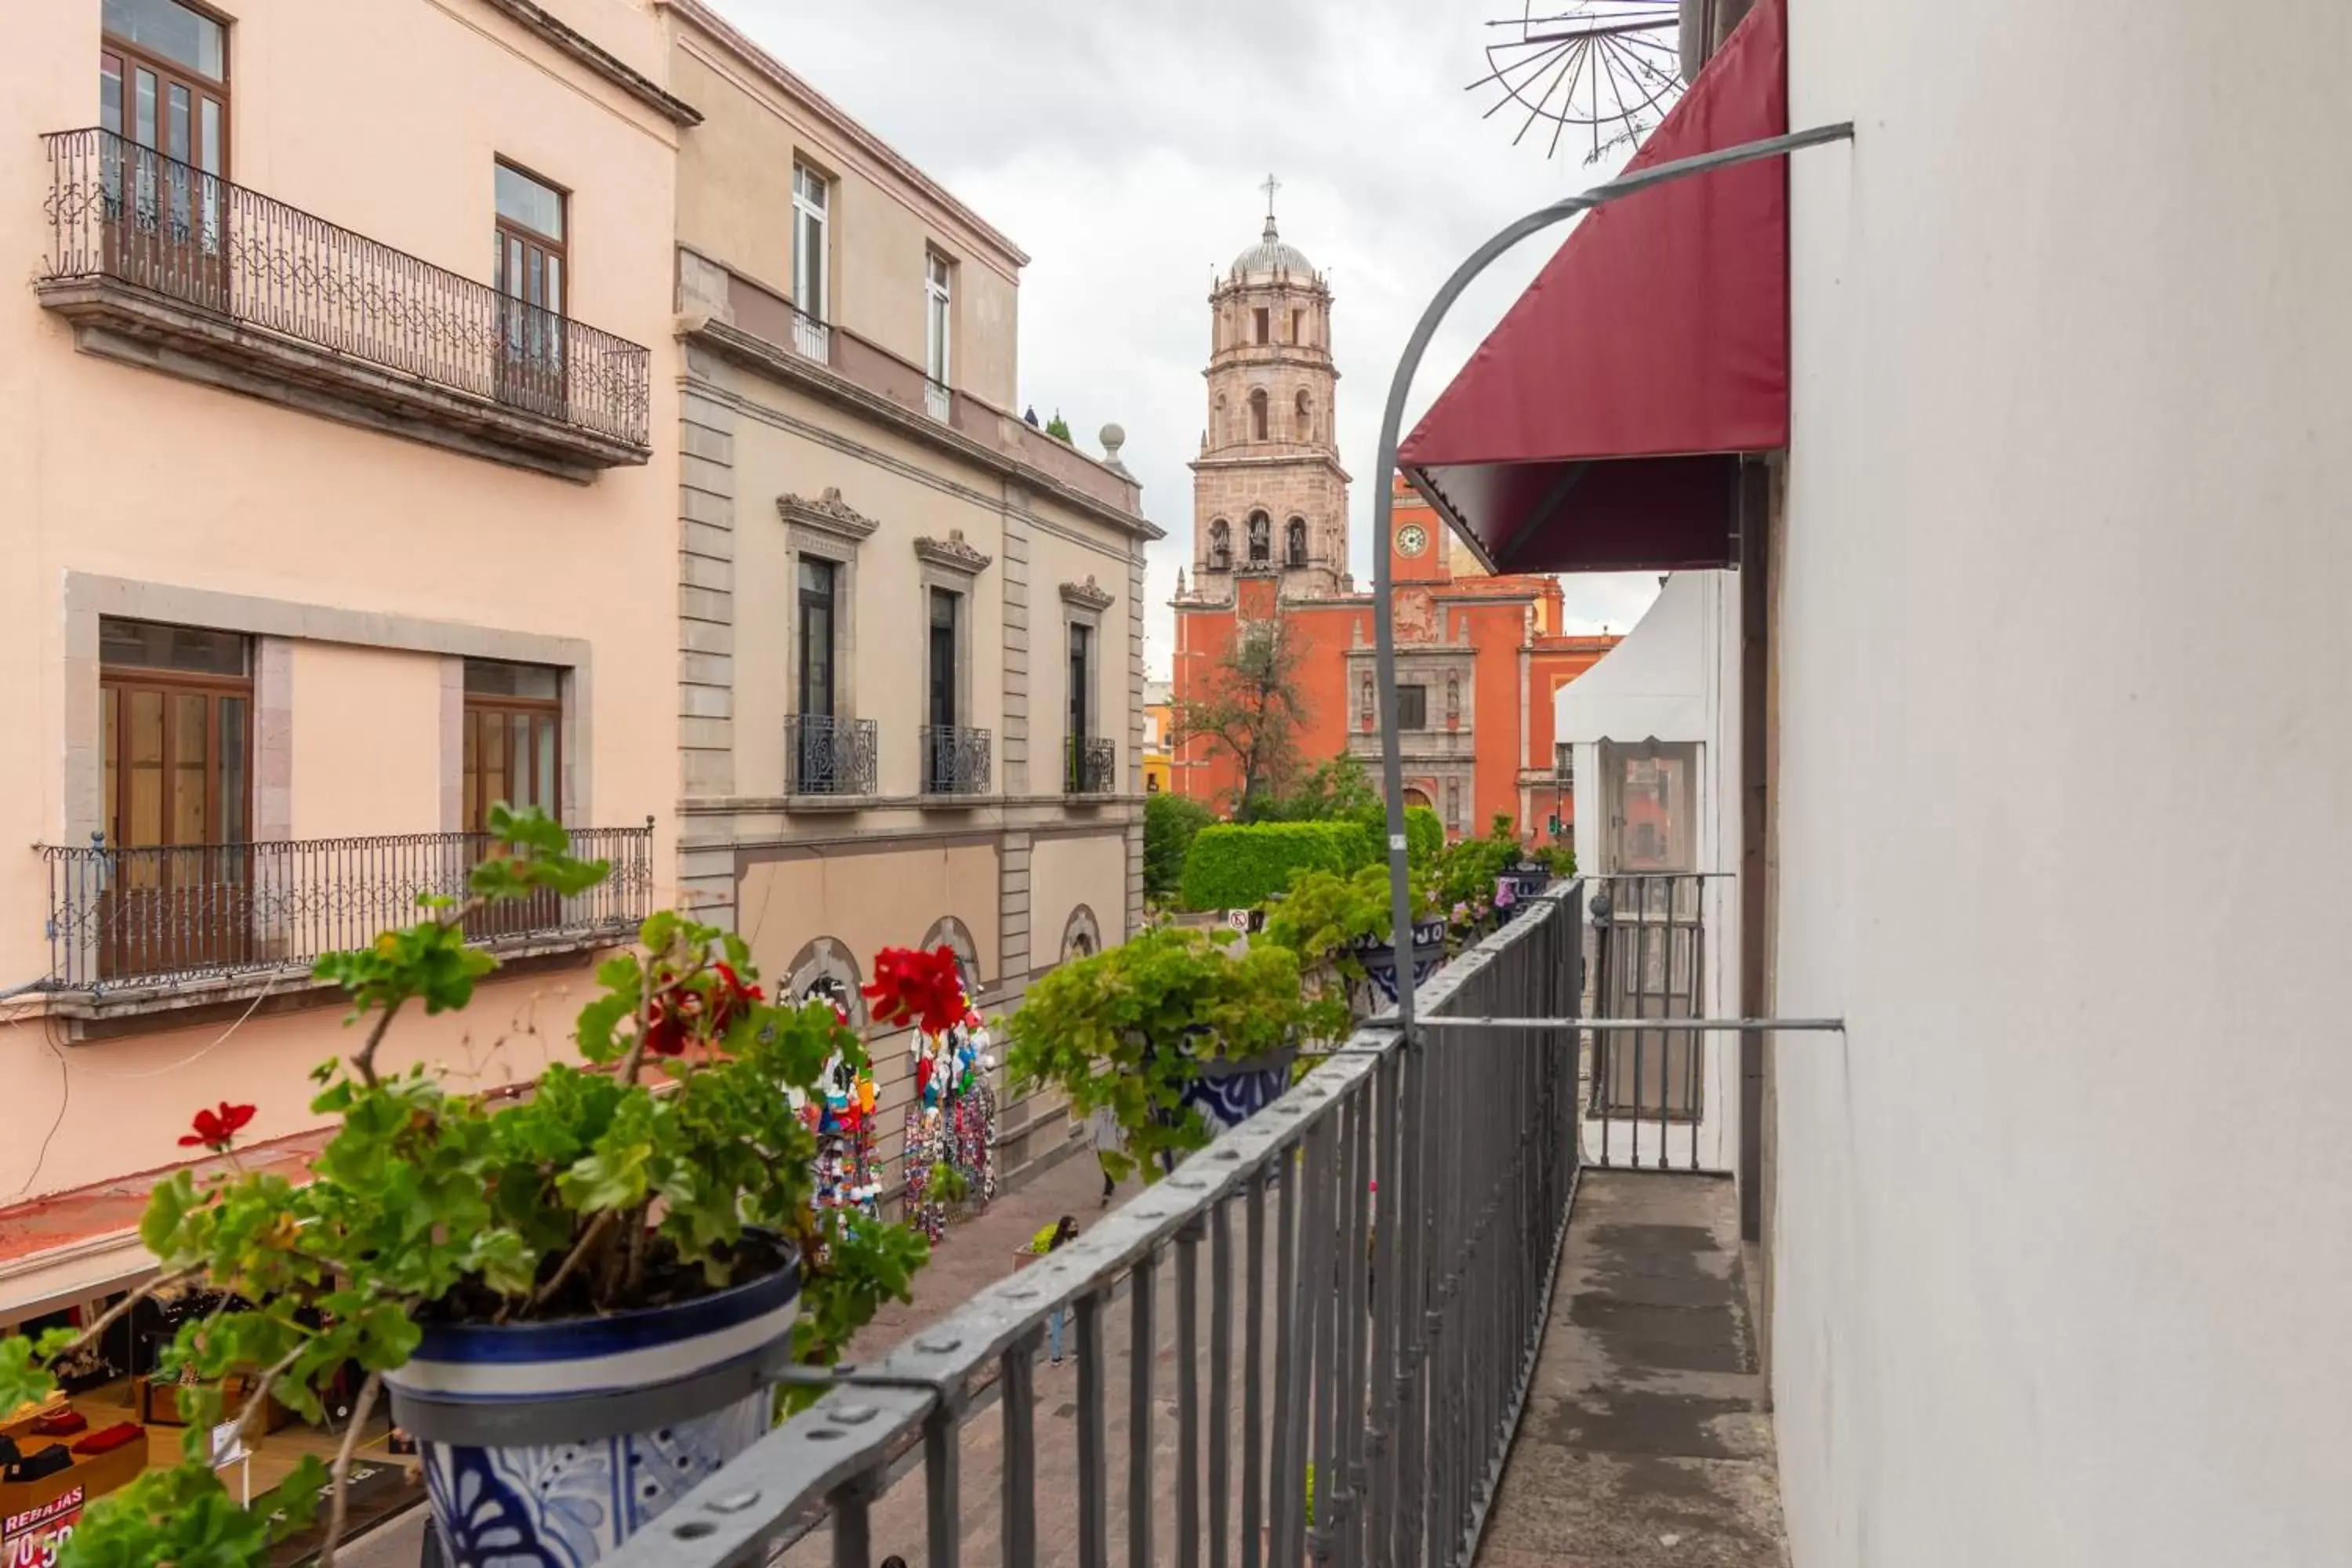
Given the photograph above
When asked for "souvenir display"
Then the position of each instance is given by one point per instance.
(950, 1123)
(848, 1175)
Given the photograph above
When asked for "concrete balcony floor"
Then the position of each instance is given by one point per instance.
(1646, 1438)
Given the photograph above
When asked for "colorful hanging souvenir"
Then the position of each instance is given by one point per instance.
(951, 1121)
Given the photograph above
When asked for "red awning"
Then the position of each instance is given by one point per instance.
(1598, 427)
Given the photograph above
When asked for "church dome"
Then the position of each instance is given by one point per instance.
(1270, 256)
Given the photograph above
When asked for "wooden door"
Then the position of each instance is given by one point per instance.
(164, 99)
(177, 756)
(514, 754)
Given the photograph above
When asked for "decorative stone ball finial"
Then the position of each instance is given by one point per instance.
(1113, 436)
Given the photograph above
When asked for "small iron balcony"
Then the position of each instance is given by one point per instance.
(828, 756)
(955, 760)
(1090, 766)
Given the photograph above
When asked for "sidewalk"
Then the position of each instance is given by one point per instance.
(979, 1251)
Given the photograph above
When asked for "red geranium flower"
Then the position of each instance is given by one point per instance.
(217, 1128)
(675, 1020)
(920, 988)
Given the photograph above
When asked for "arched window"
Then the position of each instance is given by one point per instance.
(1305, 421)
(1257, 415)
(1221, 546)
(1260, 538)
(951, 932)
(1081, 935)
(1296, 550)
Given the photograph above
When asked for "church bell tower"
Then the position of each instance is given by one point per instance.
(1268, 493)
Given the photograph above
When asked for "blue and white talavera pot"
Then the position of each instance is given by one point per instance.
(1378, 958)
(547, 1445)
(1230, 1093)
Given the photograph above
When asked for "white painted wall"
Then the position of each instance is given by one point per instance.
(1676, 678)
(2066, 676)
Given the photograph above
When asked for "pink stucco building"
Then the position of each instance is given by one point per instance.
(334, 510)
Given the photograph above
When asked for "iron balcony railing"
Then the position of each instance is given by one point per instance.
(120, 211)
(1090, 766)
(955, 760)
(163, 916)
(825, 755)
(812, 339)
(1340, 1301)
(1646, 1089)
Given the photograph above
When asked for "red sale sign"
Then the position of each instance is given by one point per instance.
(34, 1536)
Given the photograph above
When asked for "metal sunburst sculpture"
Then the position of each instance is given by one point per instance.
(1612, 68)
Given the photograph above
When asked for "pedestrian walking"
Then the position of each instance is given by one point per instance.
(1109, 1138)
(1065, 1230)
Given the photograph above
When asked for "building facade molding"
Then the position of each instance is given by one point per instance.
(600, 61)
(792, 368)
(827, 514)
(1087, 595)
(953, 554)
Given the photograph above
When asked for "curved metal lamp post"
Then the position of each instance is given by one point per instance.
(1383, 504)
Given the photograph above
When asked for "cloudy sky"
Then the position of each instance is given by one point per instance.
(1122, 146)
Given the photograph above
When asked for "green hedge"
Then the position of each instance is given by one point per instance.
(1235, 866)
(1424, 835)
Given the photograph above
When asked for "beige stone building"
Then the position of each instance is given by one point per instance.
(1268, 492)
(910, 659)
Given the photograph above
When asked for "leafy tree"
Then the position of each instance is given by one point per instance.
(1059, 428)
(1170, 822)
(1252, 711)
(1337, 789)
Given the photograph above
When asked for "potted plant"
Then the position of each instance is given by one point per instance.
(501, 1266)
(1339, 927)
(1169, 1031)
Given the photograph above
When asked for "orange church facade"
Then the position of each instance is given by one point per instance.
(1479, 658)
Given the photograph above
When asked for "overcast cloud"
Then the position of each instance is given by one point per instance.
(1123, 144)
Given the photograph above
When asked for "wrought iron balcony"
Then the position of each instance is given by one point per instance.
(150, 917)
(812, 339)
(828, 756)
(955, 760)
(1090, 766)
(250, 293)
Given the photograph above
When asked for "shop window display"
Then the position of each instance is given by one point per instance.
(115, 1414)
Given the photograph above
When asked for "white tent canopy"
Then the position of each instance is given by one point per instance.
(1657, 683)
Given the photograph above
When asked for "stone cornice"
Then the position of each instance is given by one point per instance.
(827, 514)
(601, 61)
(1087, 595)
(755, 353)
(953, 554)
